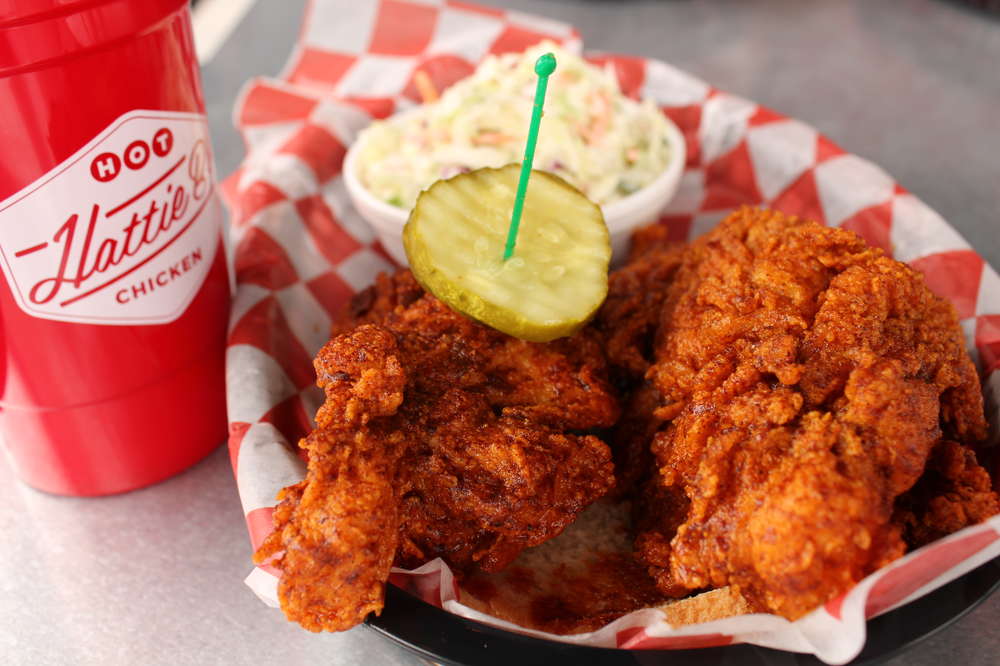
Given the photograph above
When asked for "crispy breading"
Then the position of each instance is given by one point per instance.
(799, 410)
(439, 437)
(361, 375)
(335, 532)
(481, 488)
(804, 378)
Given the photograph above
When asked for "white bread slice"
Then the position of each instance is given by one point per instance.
(546, 580)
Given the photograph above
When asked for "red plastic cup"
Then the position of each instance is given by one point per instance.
(115, 291)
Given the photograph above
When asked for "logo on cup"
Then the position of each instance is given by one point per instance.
(122, 232)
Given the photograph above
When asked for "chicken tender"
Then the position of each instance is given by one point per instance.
(336, 531)
(803, 380)
(439, 437)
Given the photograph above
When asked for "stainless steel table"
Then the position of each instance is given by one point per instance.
(155, 576)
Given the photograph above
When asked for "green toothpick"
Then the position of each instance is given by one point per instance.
(544, 66)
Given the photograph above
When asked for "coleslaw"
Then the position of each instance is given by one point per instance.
(593, 136)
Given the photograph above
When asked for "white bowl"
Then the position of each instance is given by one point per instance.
(622, 217)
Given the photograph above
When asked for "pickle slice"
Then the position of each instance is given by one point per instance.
(556, 279)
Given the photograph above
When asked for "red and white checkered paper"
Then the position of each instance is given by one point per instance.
(301, 250)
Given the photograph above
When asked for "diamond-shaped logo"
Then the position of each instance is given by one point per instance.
(122, 232)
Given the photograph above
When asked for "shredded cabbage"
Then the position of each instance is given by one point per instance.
(594, 137)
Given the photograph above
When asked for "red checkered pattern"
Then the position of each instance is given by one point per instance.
(368, 49)
(302, 251)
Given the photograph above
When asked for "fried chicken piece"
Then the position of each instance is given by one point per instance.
(804, 378)
(563, 383)
(481, 488)
(495, 469)
(439, 437)
(336, 531)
